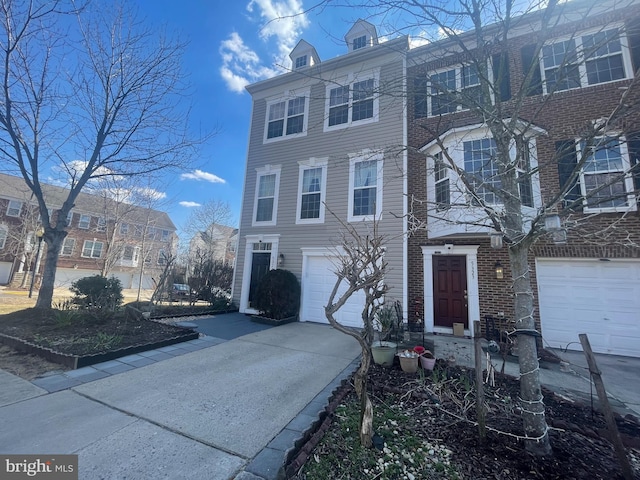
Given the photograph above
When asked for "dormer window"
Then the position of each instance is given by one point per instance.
(359, 42)
(301, 61)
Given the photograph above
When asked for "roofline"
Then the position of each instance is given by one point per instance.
(397, 45)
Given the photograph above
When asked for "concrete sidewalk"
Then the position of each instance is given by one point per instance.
(230, 409)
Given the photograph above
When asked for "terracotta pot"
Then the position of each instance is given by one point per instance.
(408, 361)
(427, 362)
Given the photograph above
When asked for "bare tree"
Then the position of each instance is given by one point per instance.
(99, 97)
(208, 226)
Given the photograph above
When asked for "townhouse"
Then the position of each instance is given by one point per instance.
(129, 242)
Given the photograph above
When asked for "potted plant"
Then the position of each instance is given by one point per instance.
(409, 361)
(382, 350)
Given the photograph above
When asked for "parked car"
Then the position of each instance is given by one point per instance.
(180, 291)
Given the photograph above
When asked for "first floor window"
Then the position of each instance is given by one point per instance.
(130, 254)
(365, 182)
(162, 257)
(3, 237)
(68, 246)
(92, 249)
(265, 205)
(441, 176)
(124, 228)
(14, 208)
(102, 224)
(311, 193)
(482, 169)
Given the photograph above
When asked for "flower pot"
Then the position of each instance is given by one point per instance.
(408, 361)
(383, 353)
(427, 360)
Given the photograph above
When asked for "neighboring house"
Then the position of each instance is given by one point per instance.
(104, 236)
(217, 243)
(325, 147)
(584, 285)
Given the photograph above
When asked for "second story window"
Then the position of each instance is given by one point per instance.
(3, 236)
(68, 246)
(359, 42)
(102, 224)
(286, 118)
(84, 222)
(124, 228)
(447, 85)
(92, 249)
(588, 59)
(482, 170)
(441, 177)
(352, 103)
(311, 191)
(162, 257)
(365, 187)
(14, 208)
(266, 196)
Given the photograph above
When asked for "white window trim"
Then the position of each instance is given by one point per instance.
(3, 236)
(73, 247)
(306, 165)
(365, 155)
(19, 208)
(458, 68)
(628, 181)
(262, 171)
(289, 95)
(582, 66)
(82, 216)
(94, 241)
(162, 254)
(350, 80)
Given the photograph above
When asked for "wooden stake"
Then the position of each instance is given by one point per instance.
(606, 408)
(480, 411)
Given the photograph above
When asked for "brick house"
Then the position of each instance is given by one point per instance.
(129, 242)
(589, 283)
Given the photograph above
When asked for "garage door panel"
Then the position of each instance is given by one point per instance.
(601, 299)
(5, 272)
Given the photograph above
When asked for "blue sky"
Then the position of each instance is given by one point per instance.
(231, 44)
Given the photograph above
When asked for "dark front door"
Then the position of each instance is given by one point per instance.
(260, 264)
(450, 290)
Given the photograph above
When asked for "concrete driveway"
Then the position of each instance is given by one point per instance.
(229, 409)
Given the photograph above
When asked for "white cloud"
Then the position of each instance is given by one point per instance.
(200, 175)
(190, 204)
(147, 193)
(283, 20)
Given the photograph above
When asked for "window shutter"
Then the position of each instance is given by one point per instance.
(420, 97)
(633, 32)
(633, 145)
(530, 61)
(501, 74)
(567, 161)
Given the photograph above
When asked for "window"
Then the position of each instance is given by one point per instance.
(301, 61)
(165, 235)
(365, 187)
(444, 86)
(266, 200)
(441, 177)
(130, 255)
(604, 184)
(3, 236)
(92, 249)
(359, 42)
(84, 221)
(102, 224)
(523, 168)
(352, 103)
(311, 191)
(137, 230)
(162, 257)
(68, 246)
(286, 118)
(479, 164)
(14, 208)
(124, 228)
(69, 218)
(584, 60)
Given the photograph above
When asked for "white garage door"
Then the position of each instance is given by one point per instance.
(599, 298)
(66, 276)
(5, 272)
(318, 280)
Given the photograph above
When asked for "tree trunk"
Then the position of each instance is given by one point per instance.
(366, 407)
(531, 400)
(53, 239)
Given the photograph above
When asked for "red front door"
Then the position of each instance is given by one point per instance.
(450, 290)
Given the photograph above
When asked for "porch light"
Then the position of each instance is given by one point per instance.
(499, 271)
(281, 260)
(496, 239)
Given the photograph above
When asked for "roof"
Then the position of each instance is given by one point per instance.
(15, 188)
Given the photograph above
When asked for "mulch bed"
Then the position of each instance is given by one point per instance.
(442, 409)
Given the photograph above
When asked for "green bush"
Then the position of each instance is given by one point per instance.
(97, 293)
(278, 295)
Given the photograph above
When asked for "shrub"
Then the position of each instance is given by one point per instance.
(278, 295)
(97, 293)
